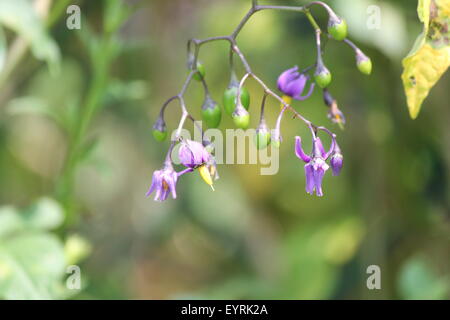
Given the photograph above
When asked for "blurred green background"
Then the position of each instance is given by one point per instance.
(77, 156)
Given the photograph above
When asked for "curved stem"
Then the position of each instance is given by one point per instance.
(234, 49)
(263, 105)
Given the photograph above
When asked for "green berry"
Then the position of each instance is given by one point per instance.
(365, 66)
(159, 136)
(262, 139)
(230, 97)
(242, 120)
(201, 71)
(212, 116)
(276, 143)
(337, 28)
(323, 78)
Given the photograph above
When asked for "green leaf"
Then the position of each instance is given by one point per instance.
(45, 214)
(31, 266)
(430, 56)
(32, 261)
(20, 16)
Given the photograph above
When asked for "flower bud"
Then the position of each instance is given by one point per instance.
(211, 113)
(363, 62)
(230, 97)
(159, 130)
(322, 75)
(336, 161)
(241, 117)
(337, 27)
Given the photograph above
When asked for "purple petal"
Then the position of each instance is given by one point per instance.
(158, 193)
(333, 148)
(184, 171)
(336, 162)
(286, 77)
(172, 184)
(319, 168)
(186, 156)
(299, 150)
(155, 182)
(193, 154)
(311, 90)
(319, 151)
(164, 195)
(318, 176)
(309, 175)
(295, 87)
(292, 83)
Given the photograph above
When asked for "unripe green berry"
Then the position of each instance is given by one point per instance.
(365, 67)
(323, 78)
(212, 116)
(276, 143)
(201, 71)
(276, 138)
(262, 139)
(159, 136)
(241, 118)
(337, 28)
(230, 97)
(159, 129)
(364, 63)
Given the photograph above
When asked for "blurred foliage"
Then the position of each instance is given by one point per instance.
(77, 156)
(418, 281)
(22, 17)
(31, 258)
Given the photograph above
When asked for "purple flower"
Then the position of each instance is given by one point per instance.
(316, 165)
(292, 83)
(336, 161)
(193, 154)
(164, 182)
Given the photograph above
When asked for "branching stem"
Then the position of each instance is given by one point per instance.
(194, 46)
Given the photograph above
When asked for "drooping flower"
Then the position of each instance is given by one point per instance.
(292, 84)
(164, 182)
(194, 155)
(316, 165)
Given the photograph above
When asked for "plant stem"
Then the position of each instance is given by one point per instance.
(235, 49)
(91, 105)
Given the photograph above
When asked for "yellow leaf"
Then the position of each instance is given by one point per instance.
(430, 57)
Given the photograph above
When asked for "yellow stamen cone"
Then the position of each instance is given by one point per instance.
(206, 176)
(287, 100)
